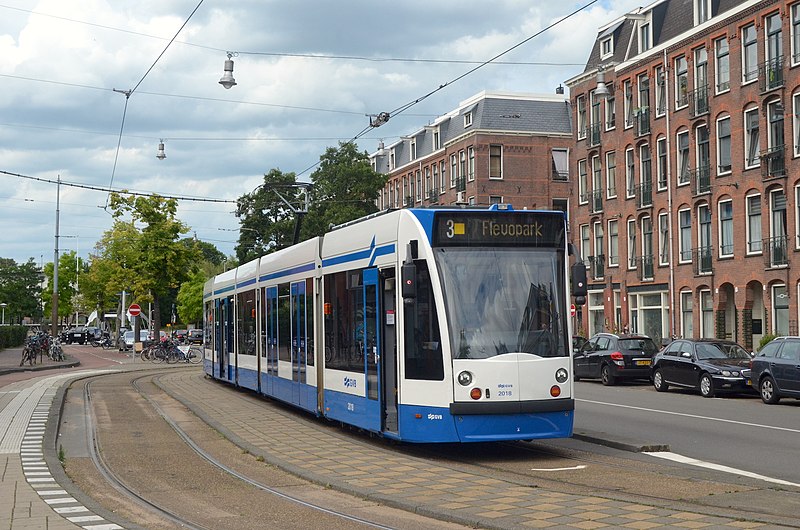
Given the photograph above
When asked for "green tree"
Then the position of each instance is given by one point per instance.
(267, 222)
(190, 298)
(70, 300)
(344, 188)
(160, 261)
(208, 252)
(20, 288)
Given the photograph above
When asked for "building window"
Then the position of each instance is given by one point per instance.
(683, 157)
(796, 34)
(663, 238)
(647, 247)
(754, 224)
(661, 168)
(751, 139)
(606, 47)
(611, 112)
(613, 243)
(628, 103)
(700, 75)
(392, 159)
(630, 178)
(685, 226)
(726, 228)
(495, 199)
(442, 176)
(495, 161)
(471, 163)
(724, 145)
(436, 184)
(428, 187)
(780, 305)
(419, 185)
(706, 315)
(585, 250)
(703, 159)
(597, 184)
(722, 65)
(437, 139)
(777, 202)
(560, 163)
(583, 197)
(702, 11)
(645, 167)
(661, 91)
(413, 149)
(704, 235)
(598, 247)
(687, 326)
(462, 164)
(796, 123)
(611, 174)
(632, 261)
(681, 82)
(775, 130)
(453, 170)
(774, 33)
(749, 54)
(468, 119)
(580, 107)
(797, 217)
(644, 37)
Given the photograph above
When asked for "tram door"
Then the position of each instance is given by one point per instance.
(389, 360)
(372, 348)
(298, 340)
(270, 330)
(225, 337)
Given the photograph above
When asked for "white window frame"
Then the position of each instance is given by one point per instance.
(661, 91)
(681, 73)
(607, 47)
(580, 116)
(413, 148)
(597, 230)
(795, 38)
(749, 227)
(585, 243)
(630, 173)
(723, 252)
(721, 87)
(687, 314)
(610, 112)
(706, 295)
(662, 157)
(796, 123)
(613, 243)
(774, 310)
(583, 183)
(684, 254)
(797, 217)
(702, 11)
(645, 37)
(611, 174)
(748, 139)
(631, 234)
(470, 163)
(663, 238)
(453, 170)
(720, 167)
(683, 173)
(491, 157)
(627, 103)
(467, 119)
(745, 64)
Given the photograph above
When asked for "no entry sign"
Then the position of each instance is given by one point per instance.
(134, 310)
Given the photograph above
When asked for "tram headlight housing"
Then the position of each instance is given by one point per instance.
(562, 375)
(465, 378)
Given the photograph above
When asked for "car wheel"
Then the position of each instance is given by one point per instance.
(658, 382)
(766, 388)
(706, 386)
(606, 377)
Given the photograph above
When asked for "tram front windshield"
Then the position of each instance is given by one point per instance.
(504, 300)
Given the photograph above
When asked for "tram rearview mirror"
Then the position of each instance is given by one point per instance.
(578, 279)
(408, 276)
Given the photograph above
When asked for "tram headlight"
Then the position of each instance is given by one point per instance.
(465, 378)
(562, 375)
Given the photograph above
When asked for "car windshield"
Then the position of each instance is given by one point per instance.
(717, 350)
(645, 345)
(504, 300)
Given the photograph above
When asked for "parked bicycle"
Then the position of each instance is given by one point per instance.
(55, 352)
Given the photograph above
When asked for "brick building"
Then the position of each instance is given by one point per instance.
(493, 148)
(687, 129)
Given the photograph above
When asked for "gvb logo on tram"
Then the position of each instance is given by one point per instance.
(426, 325)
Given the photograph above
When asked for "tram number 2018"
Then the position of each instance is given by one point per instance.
(505, 393)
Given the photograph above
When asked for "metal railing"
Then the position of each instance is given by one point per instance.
(596, 201)
(597, 266)
(645, 267)
(776, 251)
(702, 260)
(642, 119)
(702, 179)
(770, 74)
(433, 196)
(593, 135)
(698, 101)
(461, 184)
(773, 162)
(644, 194)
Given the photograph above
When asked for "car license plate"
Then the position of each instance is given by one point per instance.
(643, 362)
(748, 382)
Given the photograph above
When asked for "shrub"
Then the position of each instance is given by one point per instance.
(12, 336)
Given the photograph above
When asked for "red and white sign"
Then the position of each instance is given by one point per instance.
(572, 310)
(135, 310)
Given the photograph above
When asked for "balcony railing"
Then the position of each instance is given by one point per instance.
(644, 194)
(773, 162)
(597, 266)
(776, 251)
(702, 260)
(433, 196)
(596, 201)
(461, 184)
(593, 135)
(645, 267)
(642, 119)
(770, 74)
(409, 200)
(698, 101)
(702, 179)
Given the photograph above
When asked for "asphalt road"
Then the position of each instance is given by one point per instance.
(740, 432)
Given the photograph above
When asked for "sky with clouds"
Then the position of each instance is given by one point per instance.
(309, 73)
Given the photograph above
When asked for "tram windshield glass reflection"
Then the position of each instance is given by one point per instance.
(504, 300)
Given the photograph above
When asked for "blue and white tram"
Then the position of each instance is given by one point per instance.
(423, 325)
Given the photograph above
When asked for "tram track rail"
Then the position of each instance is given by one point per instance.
(171, 515)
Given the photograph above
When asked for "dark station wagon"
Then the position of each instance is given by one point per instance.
(775, 370)
(611, 357)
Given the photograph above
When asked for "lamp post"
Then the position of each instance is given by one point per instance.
(4, 305)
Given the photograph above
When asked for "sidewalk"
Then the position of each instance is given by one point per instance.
(10, 357)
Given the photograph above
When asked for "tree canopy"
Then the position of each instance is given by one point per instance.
(20, 288)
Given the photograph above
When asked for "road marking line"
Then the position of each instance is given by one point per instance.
(695, 416)
(560, 468)
(718, 467)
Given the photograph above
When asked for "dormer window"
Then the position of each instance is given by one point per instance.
(413, 149)
(607, 47)
(702, 11)
(392, 159)
(644, 37)
(467, 119)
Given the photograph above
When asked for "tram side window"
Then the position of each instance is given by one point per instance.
(344, 321)
(307, 323)
(423, 343)
(209, 324)
(284, 323)
(246, 322)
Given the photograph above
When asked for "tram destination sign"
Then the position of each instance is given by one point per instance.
(498, 228)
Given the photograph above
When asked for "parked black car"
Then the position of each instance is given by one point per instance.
(611, 357)
(77, 335)
(707, 365)
(180, 335)
(775, 370)
(194, 336)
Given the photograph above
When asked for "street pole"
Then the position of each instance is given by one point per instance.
(55, 267)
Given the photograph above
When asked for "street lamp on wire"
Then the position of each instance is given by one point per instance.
(4, 305)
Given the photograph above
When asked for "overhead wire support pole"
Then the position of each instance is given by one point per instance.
(54, 301)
